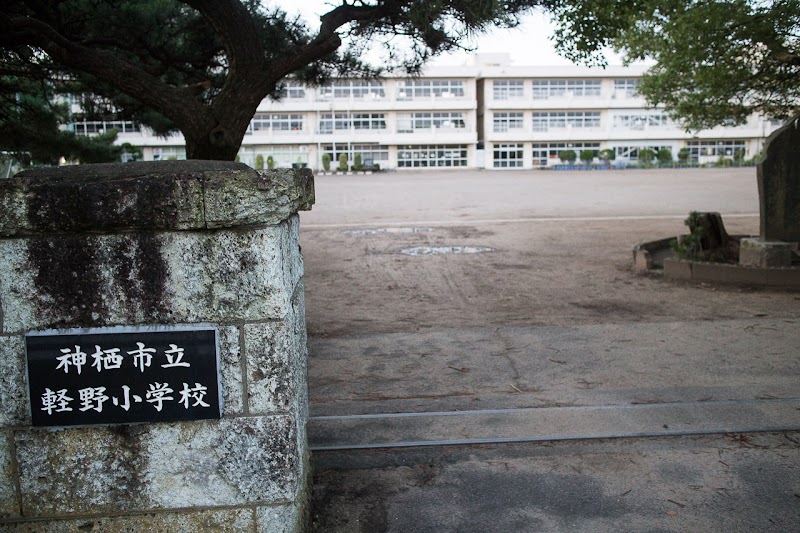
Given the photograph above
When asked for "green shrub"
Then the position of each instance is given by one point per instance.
(342, 163)
(664, 156)
(688, 247)
(270, 162)
(607, 155)
(587, 156)
(259, 162)
(326, 162)
(646, 157)
(357, 162)
(683, 154)
(567, 156)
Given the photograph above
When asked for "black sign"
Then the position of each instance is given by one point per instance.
(147, 375)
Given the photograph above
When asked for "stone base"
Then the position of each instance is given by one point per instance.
(757, 253)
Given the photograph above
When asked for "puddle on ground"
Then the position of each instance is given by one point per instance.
(386, 230)
(440, 250)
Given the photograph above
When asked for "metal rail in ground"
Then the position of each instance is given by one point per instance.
(552, 423)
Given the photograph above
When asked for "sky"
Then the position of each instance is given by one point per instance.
(527, 44)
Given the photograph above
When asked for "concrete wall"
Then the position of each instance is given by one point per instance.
(171, 243)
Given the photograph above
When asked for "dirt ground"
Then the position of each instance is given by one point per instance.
(552, 263)
(552, 314)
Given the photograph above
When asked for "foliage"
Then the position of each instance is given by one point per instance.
(259, 162)
(567, 156)
(342, 162)
(716, 61)
(326, 162)
(646, 156)
(607, 155)
(357, 162)
(664, 156)
(683, 154)
(270, 162)
(587, 156)
(30, 120)
(203, 66)
(688, 246)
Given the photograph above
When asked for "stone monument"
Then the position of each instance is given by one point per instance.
(153, 349)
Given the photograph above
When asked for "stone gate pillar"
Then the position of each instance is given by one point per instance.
(138, 249)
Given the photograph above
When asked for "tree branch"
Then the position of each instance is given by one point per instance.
(107, 66)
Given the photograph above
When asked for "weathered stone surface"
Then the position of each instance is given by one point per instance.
(759, 253)
(268, 198)
(79, 470)
(164, 195)
(226, 520)
(230, 360)
(779, 185)
(14, 409)
(9, 500)
(141, 278)
(270, 380)
(279, 519)
(235, 462)
(677, 269)
(136, 468)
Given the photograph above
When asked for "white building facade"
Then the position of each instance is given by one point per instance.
(488, 114)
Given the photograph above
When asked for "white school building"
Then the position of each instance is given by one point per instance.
(486, 114)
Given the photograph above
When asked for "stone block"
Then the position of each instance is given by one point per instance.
(119, 469)
(764, 254)
(642, 260)
(9, 499)
(279, 519)
(256, 198)
(14, 408)
(784, 277)
(778, 186)
(723, 273)
(222, 520)
(677, 269)
(164, 195)
(230, 360)
(140, 278)
(270, 379)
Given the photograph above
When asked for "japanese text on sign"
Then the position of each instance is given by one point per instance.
(123, 377)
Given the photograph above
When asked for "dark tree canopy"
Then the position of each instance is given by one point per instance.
(716, 61)
(30, 133)
(203, 66)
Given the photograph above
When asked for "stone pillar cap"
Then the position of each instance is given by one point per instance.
(159, 195)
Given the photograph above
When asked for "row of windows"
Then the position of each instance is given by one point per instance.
(544, 151)
(410, 122)
(417, 89)
(425, 89)
(356, 89)
(370, 153)
(716, 148)
(554, 120)
(330, 122)
(426, 156)
(94, 127)
(276, 122)
(543, 89)
(359, 89)
(557, 88)
(642, 121)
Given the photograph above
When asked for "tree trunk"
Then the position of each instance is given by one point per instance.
(715, 243)
(203, 148)
(219, 142)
